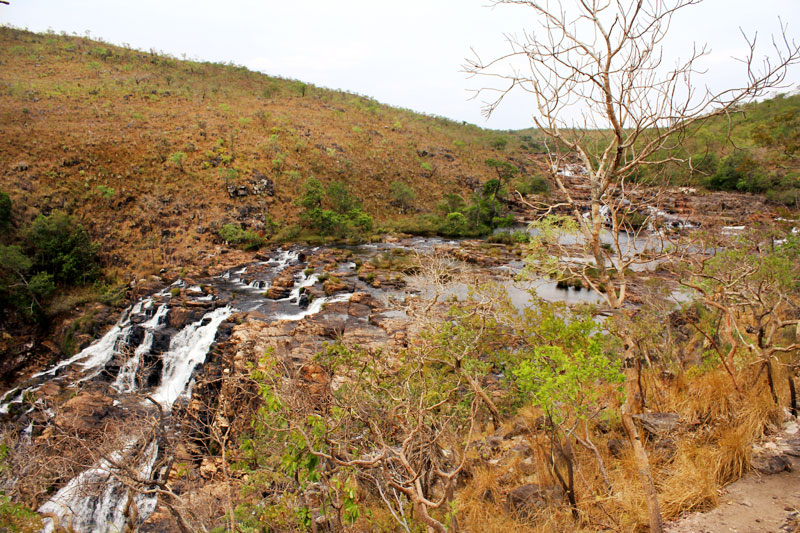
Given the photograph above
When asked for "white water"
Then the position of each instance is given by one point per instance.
(126, 378)
(315, 307)
(95, 500)
(188, 349)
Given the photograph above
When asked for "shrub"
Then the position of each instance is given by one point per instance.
(340, 198)
(455, 224)
(739, 171)
(5, 210)
(402, 195)
(498, 143)
(177, 159)
(236, 235)
(62, 248)
(505, 170)
(533, 185)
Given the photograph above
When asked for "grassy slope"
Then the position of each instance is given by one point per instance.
(89, 128)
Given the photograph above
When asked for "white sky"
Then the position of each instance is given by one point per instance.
(407, 54)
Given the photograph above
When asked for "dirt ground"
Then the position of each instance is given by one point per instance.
(754, 504)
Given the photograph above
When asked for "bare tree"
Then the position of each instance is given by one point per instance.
(606, 59)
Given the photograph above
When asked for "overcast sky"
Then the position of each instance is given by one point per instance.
(407, 54)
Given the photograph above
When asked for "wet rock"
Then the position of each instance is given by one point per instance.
(303, 301)
(527, 499)
(202, 304)
(282, 284)
(658, 424)
(179, 318)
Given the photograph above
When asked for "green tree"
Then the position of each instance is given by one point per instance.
(402, 195)
(5, 211)
(62, 248)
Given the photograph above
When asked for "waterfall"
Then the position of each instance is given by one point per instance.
(143, 355)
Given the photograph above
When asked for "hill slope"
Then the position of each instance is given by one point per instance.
(153, 153)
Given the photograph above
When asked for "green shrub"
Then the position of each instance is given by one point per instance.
(505, 170)
(498, 143)
(533, 185)
(236, 235)
(401, 194)
(455, 225)
(177, 159)
(5, 211)
(739, 171)
(287, 234)
(340, 198)
(62, 248)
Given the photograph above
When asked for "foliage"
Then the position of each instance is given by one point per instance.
(342, 219)
(533, 185)
(505, 170)
(177, 159)
(739, 171)
(236, 235)
(558, 381)
(5, 211)
(62, 248)
(498, 143)
(486, 212)
(16, 518)
(402, 195)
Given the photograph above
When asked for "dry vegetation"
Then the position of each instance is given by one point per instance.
(141, 147)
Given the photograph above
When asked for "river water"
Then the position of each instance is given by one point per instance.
(146, 361)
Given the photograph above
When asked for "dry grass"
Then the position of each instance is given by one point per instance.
(710, 450)
(89, 127)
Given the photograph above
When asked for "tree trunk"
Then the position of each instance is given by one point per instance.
(639, 454)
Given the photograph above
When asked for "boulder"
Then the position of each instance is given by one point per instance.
(527, 499)
(771, 463)
(658, 424)
(86, 412)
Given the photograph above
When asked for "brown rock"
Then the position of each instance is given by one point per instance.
(83, 413)
(179, 317)
(527, 499)
(767, 463)
(333, 285)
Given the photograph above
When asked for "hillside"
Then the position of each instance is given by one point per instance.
(152, 153)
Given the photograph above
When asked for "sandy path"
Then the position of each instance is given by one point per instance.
(756, 503)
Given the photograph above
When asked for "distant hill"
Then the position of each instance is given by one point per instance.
(153, 153)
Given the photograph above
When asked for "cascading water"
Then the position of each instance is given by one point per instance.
(143, 356)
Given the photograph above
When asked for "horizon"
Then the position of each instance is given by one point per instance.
(350, 47)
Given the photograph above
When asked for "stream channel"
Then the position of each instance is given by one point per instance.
(150, 356)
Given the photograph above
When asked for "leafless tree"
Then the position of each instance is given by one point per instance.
(606, 58)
